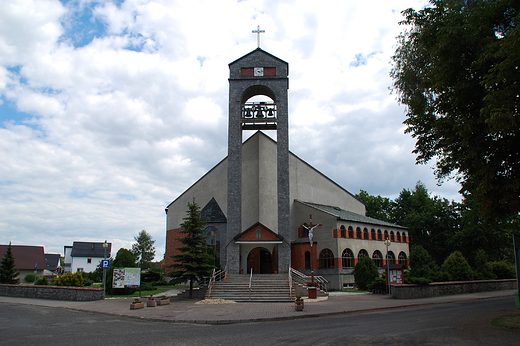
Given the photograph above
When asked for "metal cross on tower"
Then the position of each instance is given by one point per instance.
(258, 32)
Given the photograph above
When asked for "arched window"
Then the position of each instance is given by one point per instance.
(377, 257)
(343, 232)
(392, 238)
(403, 259)
(386, 235)
(326, 259)
(365, 233)
(373, 234)
(350, 232)
(391, 257)
(358, 233)
(347, 258)
(398, 237)
(404, 237)
(362, 253)
(379, 235)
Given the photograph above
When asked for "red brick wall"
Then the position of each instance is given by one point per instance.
(172, 246)
(298, 255)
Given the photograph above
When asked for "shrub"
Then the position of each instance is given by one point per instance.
(483, 270)
(88, 282)
(503, 270)
(457, 267)
(42, 281)
(379, 284)
(365, 272)
(30, 277)
(146, 286)
(69, 279)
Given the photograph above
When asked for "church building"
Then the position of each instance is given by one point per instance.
(266, 209)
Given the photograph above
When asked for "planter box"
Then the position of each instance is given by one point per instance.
(150, 303)
(313, 292)
(163, 301)
(135, 306)
(298, 307)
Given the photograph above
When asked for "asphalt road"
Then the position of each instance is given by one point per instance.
(444, 324)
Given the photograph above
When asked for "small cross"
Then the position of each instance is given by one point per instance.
(258, 32)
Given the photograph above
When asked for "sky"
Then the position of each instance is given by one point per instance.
(109, 110)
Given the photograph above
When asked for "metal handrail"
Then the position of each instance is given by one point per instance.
(290, 281)
(302, 279)
(250, 280)
(216, 276)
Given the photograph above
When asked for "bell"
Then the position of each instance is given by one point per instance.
(259, 112)
(270, 113)
(248, 112)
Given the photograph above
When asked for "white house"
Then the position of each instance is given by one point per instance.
(85, 256)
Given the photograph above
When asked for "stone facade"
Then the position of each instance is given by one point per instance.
(52, 292)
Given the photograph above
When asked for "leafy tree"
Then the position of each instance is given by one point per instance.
(503, 270)
(194, 260)
(69, 279)
(144, 248)
(420, 263)
(483, 270)
(365, 272)
(124, 258)
(378, 207)
(457, 267)
(8, 273)
(456, 69)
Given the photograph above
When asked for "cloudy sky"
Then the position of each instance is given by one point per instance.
(110, 109)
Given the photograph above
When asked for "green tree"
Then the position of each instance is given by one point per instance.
(124, 258)
(456, 70)
(421, 263)
(378, 207)
(194, 260)
(457, 267)
(8, 273)
(365, 272)
(144, 249)
(483, 270)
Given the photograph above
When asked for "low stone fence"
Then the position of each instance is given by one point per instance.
(403, 291)
(52, 292)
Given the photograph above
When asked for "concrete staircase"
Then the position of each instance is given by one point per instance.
(264, 288)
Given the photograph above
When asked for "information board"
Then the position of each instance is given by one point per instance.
(126, 277)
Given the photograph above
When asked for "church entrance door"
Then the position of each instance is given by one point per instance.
(260, 260)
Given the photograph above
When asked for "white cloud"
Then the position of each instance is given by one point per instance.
(128, 108)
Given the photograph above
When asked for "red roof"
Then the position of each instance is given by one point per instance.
(25, 256)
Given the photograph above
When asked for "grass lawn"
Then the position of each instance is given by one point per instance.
(508, 322)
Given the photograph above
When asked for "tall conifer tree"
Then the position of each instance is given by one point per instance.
(8, 273)
(194, 261)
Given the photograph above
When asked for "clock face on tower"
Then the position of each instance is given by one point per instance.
(259, 71)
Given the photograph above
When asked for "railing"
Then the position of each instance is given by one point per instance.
(290, 281)
(303, 279)
(250, 280)
(215, 276)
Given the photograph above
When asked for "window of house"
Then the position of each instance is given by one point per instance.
(402, 258)
(347, 258)
(350, 232)
(379, 235)
(258, 234)
(343, 232)
(80, 270)
(365, 233)
(326, 259)
(377, 257)
(358, 233)
(391, 257)
(373, 234)
(362, 253)
(89, 260)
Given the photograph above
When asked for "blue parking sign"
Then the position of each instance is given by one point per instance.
(105, 264)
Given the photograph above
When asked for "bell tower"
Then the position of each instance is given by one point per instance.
(257, 73)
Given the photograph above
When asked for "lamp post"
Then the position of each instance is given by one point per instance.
(105, 246)
(387, 243)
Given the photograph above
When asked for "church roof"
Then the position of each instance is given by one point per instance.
(350, 216)
(257, 51)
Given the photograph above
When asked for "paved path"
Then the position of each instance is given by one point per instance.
(190, 312)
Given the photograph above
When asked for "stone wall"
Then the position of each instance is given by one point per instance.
(403, 291)
(52, 292)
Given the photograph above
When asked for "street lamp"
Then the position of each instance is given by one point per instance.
(105, 246)
(387, 243)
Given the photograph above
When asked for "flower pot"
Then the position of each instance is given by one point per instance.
(298, 306)
(150, 303)
(163, 301)
(135, 306)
